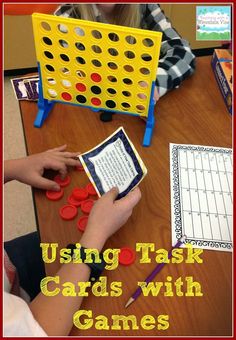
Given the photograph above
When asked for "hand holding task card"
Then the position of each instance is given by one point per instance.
(114, 163)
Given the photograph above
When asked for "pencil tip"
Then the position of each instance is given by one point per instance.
(129, 302)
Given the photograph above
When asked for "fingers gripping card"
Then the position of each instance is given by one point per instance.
(114, 163)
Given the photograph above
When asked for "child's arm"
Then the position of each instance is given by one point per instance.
(55, 314)
(177, 61)
(29, 170)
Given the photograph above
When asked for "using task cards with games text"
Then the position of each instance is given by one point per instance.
(114, 163)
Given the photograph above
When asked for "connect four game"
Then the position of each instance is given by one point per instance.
(95, 65)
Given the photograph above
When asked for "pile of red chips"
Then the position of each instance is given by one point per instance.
(80, 198)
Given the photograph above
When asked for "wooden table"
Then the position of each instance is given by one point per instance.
(193, 114)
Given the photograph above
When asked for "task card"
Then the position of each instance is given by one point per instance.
(201, 195)
(114, 163)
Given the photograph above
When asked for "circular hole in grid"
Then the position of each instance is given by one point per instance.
(96, 34)
(111, 104)
(45, 25)
(127, 81)
(113, 52)
(96, 63)
(143, 84)
(142, 96)
(140, 108)
(126, 93)
(148, 42)
(111, 91)
(80, 46)
(146, 57)
(66, 96)
(144, 70)
(80, 60)
(129, 54)
(130, 39)
(113, 36)
(80, 73)
(50, 68)
(112, 66)
(79, 31)
(52, 93)
(48, 54)
(128, 68)
(65, 71)
(63, 43)
(64, 57)
(96, 49)
(96, 101)
(47, 41)
(66, 83)
(51, 81)
(62, 28)
(81, 99)
(112, 79)
(96, 89)
(125, 106)
(96, 77)
(80, 87)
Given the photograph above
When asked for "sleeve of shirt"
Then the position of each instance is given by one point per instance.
(65, 10)
(18, 319)
(177, 61)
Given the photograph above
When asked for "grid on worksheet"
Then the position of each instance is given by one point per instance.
(206, 186)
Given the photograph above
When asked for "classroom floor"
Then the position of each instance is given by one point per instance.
(18, 210)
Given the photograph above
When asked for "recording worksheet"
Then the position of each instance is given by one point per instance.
(202, 195)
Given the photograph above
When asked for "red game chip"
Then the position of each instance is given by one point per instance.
(66, 96)
(71, 200)
(54, 195)
(68, 212)
(82, 223)
(86, 206)
(96, 101)
(96, 77)
(80, 194)
(127, 256)
(62, 182)
(79, 167)
(80, 87)
(91, 190)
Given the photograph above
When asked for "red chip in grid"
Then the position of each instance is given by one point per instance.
(71, 200)
(127, 256)
(82, 223)
(80, 194)
(68, 212)
(54, 195)
(80, 87)
(87, 205)
(96, 77)
(96, 101)
(62, 182)
(66, 96)
(91, 190)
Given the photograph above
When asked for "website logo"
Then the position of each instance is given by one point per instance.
(213, 23)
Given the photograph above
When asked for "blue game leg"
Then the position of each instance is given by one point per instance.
(149, 130)
(43, 110)
(150, 123)
(44, 105)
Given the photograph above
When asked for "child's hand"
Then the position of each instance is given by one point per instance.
(29, 170)
(156, 94)
(107, 216)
